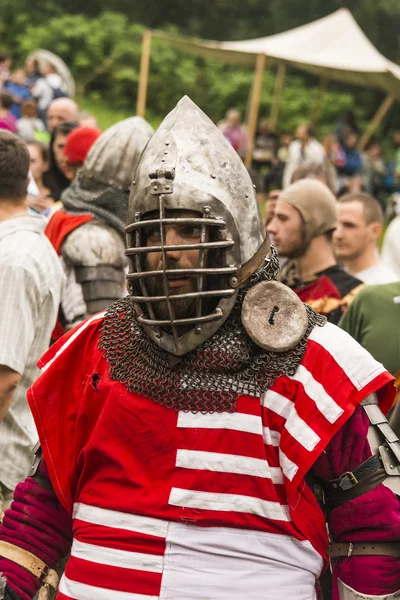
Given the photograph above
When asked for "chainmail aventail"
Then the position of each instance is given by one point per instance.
(208, 379)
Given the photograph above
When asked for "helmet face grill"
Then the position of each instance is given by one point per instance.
(213, 278)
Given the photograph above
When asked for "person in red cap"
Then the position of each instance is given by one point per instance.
(78, 144)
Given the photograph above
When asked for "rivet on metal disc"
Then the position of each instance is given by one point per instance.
(133, 182)
(246, 195)
(254, 187)
(163, 160)
(234, 280)
(213, 176)
(165, 151)
(198, 328)
(167, 143)
(156, 187)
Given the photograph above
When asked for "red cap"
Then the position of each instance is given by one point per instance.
(78, 144)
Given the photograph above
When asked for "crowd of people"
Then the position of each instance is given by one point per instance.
(34, 105)
(276, 158)
(222, 385)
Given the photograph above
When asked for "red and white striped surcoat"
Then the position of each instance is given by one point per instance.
(182, 506)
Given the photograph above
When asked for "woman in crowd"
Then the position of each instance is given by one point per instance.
(39, 154)
(55, 178)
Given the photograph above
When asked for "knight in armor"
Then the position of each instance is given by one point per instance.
(88, 234)
(196, 435)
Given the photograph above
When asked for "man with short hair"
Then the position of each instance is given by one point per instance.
(304, 219)
(305, 148)
(31, 280)
(355, 239)
(60, 111)
(234, 131)
(184, 428)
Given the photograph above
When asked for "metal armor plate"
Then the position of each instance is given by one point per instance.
(274, 317)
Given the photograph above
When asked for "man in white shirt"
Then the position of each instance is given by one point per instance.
(355, 239)
(391, 242)
(31, 280)
(304, 149)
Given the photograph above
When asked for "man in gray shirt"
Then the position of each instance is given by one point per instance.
(31, 280)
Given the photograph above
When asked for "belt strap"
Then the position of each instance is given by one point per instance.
(352, 484)
(30, 562)
(364, 549)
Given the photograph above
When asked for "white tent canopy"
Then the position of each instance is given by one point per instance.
(333, 47)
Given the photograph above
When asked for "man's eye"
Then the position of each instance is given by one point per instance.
(153, 234)
(191, 231)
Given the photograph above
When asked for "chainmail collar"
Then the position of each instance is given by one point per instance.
(109, 203)
(210, 378)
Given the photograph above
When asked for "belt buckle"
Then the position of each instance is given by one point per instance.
(353, 478)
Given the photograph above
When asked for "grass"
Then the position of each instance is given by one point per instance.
(106, 115)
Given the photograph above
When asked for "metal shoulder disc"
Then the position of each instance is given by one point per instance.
(274, 317)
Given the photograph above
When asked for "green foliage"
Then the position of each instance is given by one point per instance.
(103, 51)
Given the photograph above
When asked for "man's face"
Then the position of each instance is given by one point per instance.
(302, 132)
(353, 235)
(174, 235)
(233, 118)
(59, 113)
(287, 229)
(351, 140)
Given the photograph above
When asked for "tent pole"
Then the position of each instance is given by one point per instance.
(276, 103)
(144, 73)
(254, 107)
(319, 101)
(376, 121)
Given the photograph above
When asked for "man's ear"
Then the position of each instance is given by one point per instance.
(376, 229)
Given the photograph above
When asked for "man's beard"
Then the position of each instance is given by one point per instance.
(183, 308)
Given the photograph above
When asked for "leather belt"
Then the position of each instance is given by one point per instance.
(30, 562)
(364, 549)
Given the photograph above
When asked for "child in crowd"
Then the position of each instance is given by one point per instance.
(30, 127)
(7, 120)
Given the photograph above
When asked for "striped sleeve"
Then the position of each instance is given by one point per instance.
(309, 408)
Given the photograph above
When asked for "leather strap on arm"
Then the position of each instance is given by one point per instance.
(30, 562)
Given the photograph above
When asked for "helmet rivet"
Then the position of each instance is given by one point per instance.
(156, 187)
(133, 182)
(207, 210)
(163, 160)
(234, 280)
(246, 195)
(165, 151)
(213, 176)
(167, 143)
(198, 328)
(167, 187)
(254, 187)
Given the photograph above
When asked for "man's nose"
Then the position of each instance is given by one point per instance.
(337, 234)
(172, 238)
(271, 228)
